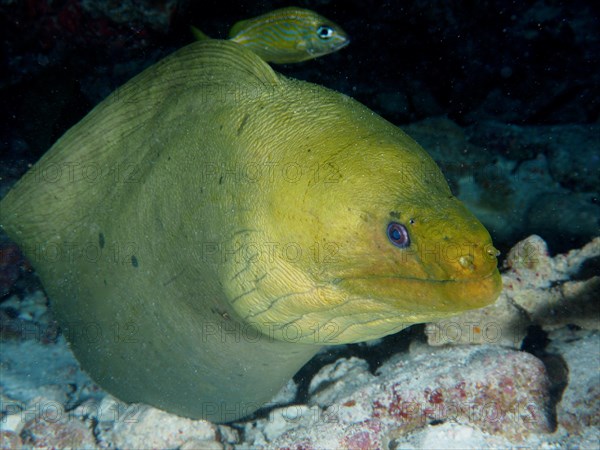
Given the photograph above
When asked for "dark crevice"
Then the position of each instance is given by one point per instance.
(556, 368)
(588, 269)
(535, 341)
(374, 354)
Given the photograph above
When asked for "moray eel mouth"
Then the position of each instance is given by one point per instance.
(380, 305)
(428, 280)
(428, 296)
(362, 307)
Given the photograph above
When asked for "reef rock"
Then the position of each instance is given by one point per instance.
(538, 290)
(493, 390)
(579, 406)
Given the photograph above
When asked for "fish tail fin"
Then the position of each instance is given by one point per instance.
(199, 35)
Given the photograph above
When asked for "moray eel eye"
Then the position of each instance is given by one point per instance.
(398, 235)
(325, 32)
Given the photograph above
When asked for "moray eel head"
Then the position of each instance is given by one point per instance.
(372, 243)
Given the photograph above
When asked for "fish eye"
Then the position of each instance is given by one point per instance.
(398, 235)
(325, 32)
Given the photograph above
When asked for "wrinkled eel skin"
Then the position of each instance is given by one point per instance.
(211, 224)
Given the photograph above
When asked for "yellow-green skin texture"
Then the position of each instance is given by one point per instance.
(211, 224)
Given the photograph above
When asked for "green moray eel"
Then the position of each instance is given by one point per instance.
(287, 35)
(207, 227)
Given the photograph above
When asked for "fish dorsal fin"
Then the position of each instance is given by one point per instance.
(281, 14)
(114, 136)
(198, 34)
(240, 26)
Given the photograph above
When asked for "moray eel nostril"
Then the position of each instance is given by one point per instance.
(240, 220)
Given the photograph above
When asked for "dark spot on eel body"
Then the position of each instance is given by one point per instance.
(134, 261)
(221, 313)
(101, 240)
(221, 180)
(395, 214)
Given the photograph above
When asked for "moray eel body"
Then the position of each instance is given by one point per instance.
(211, 224)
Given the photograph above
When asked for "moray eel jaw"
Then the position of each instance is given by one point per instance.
(415, 301)
(370, 295)
(362, 308)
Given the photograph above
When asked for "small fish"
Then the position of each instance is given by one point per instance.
(287, 35)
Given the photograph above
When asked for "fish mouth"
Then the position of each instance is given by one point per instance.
(342, 44)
